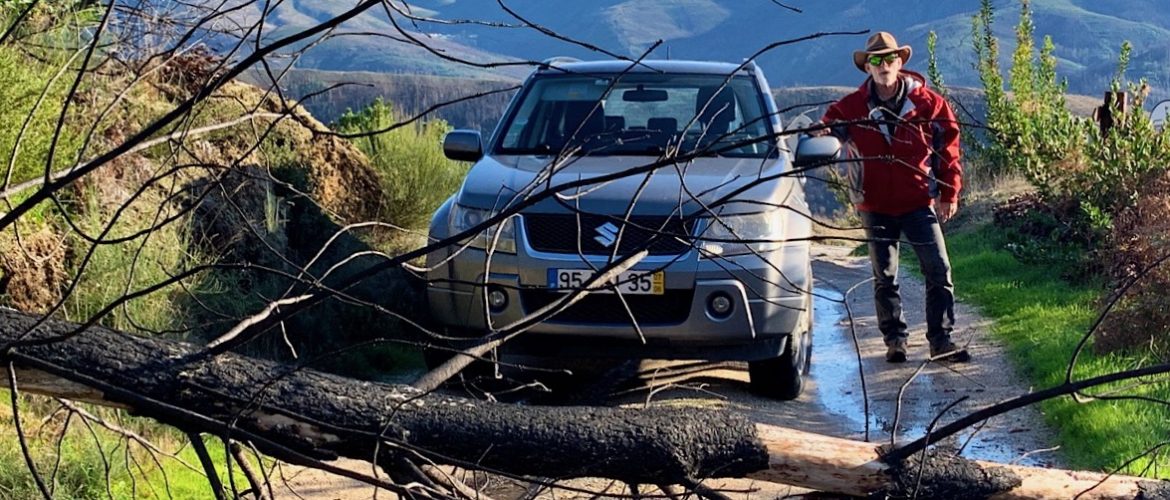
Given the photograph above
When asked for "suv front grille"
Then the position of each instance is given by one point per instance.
(565, 233)
(670, 308)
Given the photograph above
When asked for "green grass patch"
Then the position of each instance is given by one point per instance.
(79, 461)
(1041, 318)
(33, 95)
(117, 269)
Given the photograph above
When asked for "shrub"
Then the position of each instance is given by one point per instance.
(416, 178)
(1030, 130)
(1063, 156)
(1141, 241)
(1065, 236)
(1101, 197)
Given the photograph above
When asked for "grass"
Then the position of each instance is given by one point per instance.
(116, 269)
(93, 462)
(1041, 318)
(24, 84)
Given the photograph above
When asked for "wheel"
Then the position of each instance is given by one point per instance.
(808, 338)
(783, 377)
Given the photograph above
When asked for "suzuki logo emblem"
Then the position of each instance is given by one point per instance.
(606, 234)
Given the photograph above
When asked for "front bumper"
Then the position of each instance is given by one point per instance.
(769, 293)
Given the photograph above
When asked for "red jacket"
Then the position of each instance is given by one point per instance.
(897, 179)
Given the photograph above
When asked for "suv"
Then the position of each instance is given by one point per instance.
(716, 207)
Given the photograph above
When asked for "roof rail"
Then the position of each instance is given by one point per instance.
(751, 65)
(558, 59)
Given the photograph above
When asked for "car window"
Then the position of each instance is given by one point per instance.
(639, 114)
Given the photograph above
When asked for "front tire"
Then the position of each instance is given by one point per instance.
(783, 377)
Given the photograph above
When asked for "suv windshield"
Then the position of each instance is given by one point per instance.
(639, 114)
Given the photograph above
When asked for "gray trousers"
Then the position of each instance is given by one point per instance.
(924, 235)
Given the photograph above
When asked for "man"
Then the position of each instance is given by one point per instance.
(908, 141)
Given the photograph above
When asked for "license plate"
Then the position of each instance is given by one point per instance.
(629, 282)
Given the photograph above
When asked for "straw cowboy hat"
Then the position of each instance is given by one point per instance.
(880, 44)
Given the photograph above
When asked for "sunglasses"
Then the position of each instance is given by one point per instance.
(877, 60)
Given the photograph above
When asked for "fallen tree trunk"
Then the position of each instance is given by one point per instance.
(294, 414)
(856, 468)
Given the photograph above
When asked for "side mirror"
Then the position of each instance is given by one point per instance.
(463, 145)
(813, 150)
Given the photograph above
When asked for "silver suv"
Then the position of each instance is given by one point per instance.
(673, 166)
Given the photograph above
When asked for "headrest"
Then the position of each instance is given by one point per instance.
(615, 123)
(715, 112)
(669, 125)
(588, 115)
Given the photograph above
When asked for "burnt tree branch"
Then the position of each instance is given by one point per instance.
(318, 416)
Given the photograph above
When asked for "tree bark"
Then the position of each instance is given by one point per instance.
(292, 413)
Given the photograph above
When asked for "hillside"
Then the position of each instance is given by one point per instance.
(1087, 35)
(412, 94)
(255, 191)
(370, 42)
(971, 106)
(334, 92)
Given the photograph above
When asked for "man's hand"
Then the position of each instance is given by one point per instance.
(947, 210)
(817, 132)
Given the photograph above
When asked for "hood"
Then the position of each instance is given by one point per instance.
(677, 188)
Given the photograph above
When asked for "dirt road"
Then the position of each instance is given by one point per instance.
(833, 402)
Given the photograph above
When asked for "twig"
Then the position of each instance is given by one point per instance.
(32, 467)
(1020, 402)
(438, 475)
(255, 318)
(247, 469)
(704, 491)
(139, 147)
(125, 432)
(208, 465)
(789, 7)
(16, 23)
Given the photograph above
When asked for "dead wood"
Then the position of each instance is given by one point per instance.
(293, 413)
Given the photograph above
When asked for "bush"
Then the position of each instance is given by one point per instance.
(1101, 197)
(1065, 236)
(416, 178)
(1063, 156)
(1141, 241)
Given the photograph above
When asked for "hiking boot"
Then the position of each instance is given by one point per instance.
(948, 351)
(896, 351)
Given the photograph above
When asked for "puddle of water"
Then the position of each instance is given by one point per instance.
(839, 392)
(834, 366)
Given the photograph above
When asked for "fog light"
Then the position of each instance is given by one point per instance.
(720, 305)
(497, 299)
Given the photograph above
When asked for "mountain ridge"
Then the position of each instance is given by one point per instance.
(1088, 36)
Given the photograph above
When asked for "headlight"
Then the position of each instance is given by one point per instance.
(723, 235)
(464, 218)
